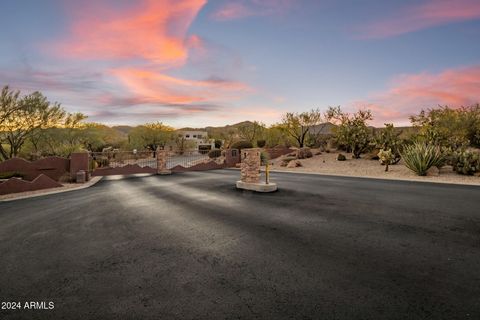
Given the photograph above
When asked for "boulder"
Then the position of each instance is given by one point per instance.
(304, 153)
(433, 172)
(294, 164)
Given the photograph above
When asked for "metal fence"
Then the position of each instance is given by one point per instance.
(116, 159)
(186, 159)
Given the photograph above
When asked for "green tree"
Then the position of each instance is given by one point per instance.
(251, 131)
(276, 136)
(352, 130)
(30, 113)
(298, 125)
(150, 136)
(447, 127)
(8, 103)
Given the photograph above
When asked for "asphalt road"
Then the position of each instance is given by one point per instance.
(191, 246)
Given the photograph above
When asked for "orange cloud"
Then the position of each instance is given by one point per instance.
(429, 13)
(154, 30)
(242, 9)
(410, 93)
(154, 87)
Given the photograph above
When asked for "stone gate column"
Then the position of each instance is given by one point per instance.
(162, 162)
(250, 172)
(250, 166)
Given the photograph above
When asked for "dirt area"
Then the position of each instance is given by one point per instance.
(327, 163)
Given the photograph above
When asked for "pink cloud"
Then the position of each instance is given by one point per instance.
(408, 94)
(427, 14)
(154, 30)
(154, 87)
(242, 9)
(146, 41)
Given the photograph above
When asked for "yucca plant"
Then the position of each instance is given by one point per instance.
(419, 157)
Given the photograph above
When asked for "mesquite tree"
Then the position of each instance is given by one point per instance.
(297, 125)
(352, 130)
(21, 117)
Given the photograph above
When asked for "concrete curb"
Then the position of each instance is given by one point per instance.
(88, 184)
(374, 178)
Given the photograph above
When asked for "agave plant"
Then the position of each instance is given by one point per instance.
(419, 157)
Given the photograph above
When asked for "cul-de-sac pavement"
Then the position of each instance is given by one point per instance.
(192, 246)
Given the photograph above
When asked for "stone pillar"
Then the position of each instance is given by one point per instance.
(162, 162)
(232, 157)
(250, 173)
(250, 168)
(78, 161)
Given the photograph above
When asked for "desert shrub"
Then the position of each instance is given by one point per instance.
(304, 153)
(466, 162)
(389, 139)
(242, 144)
(419, 157)
(455, 128)
(386, 157)
(261, 143)
(264, 157)
(352, 131)
(341, 157)
(102, 161)
(10, 174)
(215, 153)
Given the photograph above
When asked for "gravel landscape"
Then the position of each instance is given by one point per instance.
(327, 163)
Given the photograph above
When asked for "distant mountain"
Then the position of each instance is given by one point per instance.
(124, 129)
(210, 128)
(323, 128)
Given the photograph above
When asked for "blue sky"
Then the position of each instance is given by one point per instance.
(198, 62)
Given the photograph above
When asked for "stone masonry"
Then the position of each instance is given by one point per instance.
(161, 161)
(250, 167)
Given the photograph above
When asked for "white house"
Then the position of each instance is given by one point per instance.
(202, 143)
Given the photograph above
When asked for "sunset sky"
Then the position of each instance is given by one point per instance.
(198, 62)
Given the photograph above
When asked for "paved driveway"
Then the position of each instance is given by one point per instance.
(191, 246)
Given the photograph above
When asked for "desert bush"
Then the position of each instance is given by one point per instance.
(242, 144)
(215, 153)
(352, 131)
(304, 153)
(419, 157)
(386, 157)
(466, 162)
(102, 161)
(341, 157)
(261, 143)
(264, 158)
(455, 128)
(389, 139)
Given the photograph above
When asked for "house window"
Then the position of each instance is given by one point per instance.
(234, 152)
(187, 136)
(194, 135)
(199, 136)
